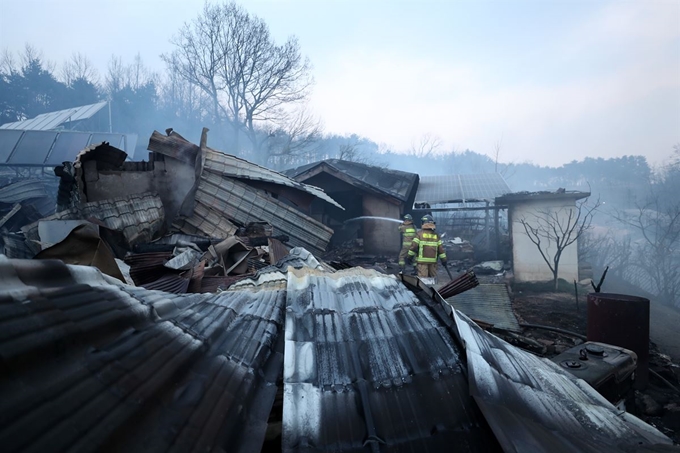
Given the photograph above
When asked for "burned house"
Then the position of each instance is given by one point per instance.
(542, 211)
(203, 191)
(364, 190)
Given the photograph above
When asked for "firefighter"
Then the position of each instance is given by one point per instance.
(408, 232)
(426, 248)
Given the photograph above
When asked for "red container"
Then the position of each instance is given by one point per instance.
(622, 320)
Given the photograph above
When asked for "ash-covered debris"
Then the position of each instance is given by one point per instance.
(187, 214)
(217, 284)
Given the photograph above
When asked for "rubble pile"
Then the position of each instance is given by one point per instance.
(190, 219)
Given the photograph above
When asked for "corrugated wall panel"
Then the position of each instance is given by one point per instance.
(243, 204)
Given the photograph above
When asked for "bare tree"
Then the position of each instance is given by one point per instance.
(181, 99)
(296, 138)
(497, 153)
(115, 76)
(8, 62)
(608, 249)
(508, 170)
(426, 146)
(350, 152)
(231, 56)
(78, 67)
(657, 244)
(552, 231)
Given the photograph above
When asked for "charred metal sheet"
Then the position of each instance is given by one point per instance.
(277, 251)
(25, 190)
(108, 157)
(147, 267)
(214, 283)
(241, 203)
(489, 303)
(84, 246)
(533, 405)
(205, 221)
(183, 239)
(234, 167)
(394, 183)
(138, 217)
(170, 283)
(185, 260)
(369, 368)
(90, 366)
(177, 147)
(232, 255)
(15, 246)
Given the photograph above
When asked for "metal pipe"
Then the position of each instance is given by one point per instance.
(554, 329)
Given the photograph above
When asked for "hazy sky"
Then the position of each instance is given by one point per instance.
(553, 81)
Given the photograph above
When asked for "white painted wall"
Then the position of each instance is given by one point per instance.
(528, 265)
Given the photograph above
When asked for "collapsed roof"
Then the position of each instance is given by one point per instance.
(397, 184)
(368, 363)
(240, 191)
(203, 191)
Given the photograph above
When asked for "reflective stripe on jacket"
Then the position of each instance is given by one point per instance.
(409, 232)
(428, 247)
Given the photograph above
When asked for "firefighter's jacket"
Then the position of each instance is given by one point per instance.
(427, 247)
(408, 231)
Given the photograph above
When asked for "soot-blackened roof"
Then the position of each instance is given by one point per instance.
(394, 183)
(368, 364)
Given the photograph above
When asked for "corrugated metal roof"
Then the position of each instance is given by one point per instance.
(489, 303)
(205, 222)
(51, 148)
(534, 405)
(177, 147)
(138, 217)
(394, 183)
(218, 197)
(91, 365)
(52, 120)
(460, 188)
(369, 368)
(232, 166)
(25, 190)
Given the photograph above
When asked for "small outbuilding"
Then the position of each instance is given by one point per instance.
(364, 190)
(548, 214)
